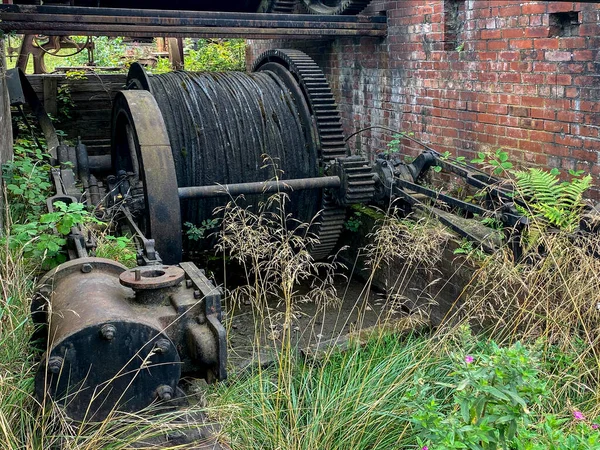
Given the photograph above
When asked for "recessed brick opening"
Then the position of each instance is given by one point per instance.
(454, 23)
(564, 24)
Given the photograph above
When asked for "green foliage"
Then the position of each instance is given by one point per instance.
(354, 222)
(65, 104)
(43, 240)
(492, 394)
(495, 401)
(497, 161)
(197, 233)
(216, 55)
(393, 147)
(27, 179)
(121, 249)
(549, 200)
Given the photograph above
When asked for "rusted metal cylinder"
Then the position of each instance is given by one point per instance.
(104, 354)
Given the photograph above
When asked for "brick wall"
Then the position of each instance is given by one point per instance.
(473, 75)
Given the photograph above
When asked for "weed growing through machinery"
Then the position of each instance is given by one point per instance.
(529, 380)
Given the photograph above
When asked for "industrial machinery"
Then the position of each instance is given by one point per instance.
(184, 144)
(270, 6)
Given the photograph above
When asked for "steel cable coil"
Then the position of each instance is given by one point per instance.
(221, 126)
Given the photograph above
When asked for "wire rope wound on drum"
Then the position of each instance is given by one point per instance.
(222, 127)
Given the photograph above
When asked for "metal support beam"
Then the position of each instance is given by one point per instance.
(67, 20)
(265, 187)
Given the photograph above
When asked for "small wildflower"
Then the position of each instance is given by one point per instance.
(595, 426)
(578, 415)
(425, 448)
(469, 359)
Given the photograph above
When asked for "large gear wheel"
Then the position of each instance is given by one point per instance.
(328, 124)
(334, 7)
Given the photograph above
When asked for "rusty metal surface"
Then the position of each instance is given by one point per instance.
(152, 277)
(325, 114)
(100, 355)
(138, 111)
(110, 350)
(120, 22)
(265, 187)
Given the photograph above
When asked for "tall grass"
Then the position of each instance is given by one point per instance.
(27, 424)
(361, 398)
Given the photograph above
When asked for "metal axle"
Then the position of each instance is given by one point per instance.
(263, 187)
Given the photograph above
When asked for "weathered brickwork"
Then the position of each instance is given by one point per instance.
(473, 75)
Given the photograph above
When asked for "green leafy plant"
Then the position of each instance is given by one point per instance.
(492, 396)
(550, 201)
(119, 248)
(393, 147)
(197, 233)
(65, 103)
(497, 161)
(354, 222)
(27, 180)
(43, 240)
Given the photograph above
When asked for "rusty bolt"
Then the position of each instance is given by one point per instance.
(87, 268)
(55, 364)
(164, 393)
(108, 332)
(197, 295)
(188, 284)
(162, 346)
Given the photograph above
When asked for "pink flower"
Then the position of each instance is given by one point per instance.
(424, 448)
(595, 426)
(469, 359)
(578, 415)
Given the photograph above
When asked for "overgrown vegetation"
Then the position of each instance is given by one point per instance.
(528, 379)
(200, 55)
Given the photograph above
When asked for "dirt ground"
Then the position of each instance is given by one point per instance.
(357, 308)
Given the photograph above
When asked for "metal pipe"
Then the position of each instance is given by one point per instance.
(263, 187)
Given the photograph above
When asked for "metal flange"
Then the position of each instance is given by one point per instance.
(140, 145)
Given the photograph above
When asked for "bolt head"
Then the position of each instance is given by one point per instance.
(108, 332)
(162, 346)
(164, 393)
(55, 364)
(197, 295)
(188, 284)
(87, 268)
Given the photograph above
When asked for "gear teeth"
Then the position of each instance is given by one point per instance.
(358, 184)
(344, 7)
(282, 6)
(321, 102)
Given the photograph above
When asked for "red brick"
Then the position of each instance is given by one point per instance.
(487, 118)
(491, 34)
(559, 56)
(543, 44)
(560, 7)
(583, 55)
(497, 45)
(520, 43)
(537, 32)
(512, 33)
(534, 8)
